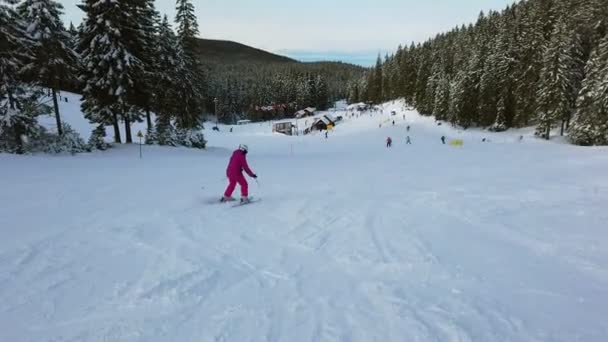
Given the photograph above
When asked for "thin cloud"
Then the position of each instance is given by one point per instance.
(353, 26)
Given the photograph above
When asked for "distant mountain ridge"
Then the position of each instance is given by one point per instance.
(229, 52)
(237, 78)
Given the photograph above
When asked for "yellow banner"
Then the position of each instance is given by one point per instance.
(457, 142)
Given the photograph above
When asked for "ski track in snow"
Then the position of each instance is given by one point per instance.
(504, 241)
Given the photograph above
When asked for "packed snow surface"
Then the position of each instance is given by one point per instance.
(499, 241)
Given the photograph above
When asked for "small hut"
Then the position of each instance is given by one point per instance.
(286, 128)
(306, 112)
(357, 107)
(323, 123)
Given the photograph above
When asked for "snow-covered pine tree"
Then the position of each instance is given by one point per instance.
(422, 79)
(442, 98)
(488, 93)
(148, 21)
(353, 92)
(229, 95)
(54, 60)
(166, 78)
(410, 73)
(500, 124)
(457, 97)
(190, 88)
(312, 90)
(557, 92)
(589, 23)
(590, 123)
(321, 96)
(187, 29)
(375, 82)
(151, 136)
(18, 109)
(73, 32)
(386, 77)
(172, 86)
(168, 89)
(427, 103)
(222, 101)
(165, 132)
(192, 138)
(13, 54)
(69, 142)
(469, 92)
(110, 66)
(233, 100)
(529, 43)
(505, 68)
(396, 78)
(303, 93)
(594, 14)
(489, 83)
(97, 139)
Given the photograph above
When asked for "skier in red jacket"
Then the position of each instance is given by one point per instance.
(234, 172)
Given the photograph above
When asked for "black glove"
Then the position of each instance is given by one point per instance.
(254, 176)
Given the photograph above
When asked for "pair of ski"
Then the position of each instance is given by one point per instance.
(251, 200)
(242, 203)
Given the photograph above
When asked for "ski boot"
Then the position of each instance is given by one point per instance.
(245, 200)
(225, 199)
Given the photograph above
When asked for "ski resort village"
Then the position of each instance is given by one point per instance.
(157, 185)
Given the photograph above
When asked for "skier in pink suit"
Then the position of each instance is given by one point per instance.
(234, 172)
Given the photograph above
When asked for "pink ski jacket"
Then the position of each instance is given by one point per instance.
(238, 163)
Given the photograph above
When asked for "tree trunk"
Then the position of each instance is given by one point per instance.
(116, 129)
(128, 131)
(548, 132)
(563, 128)
(18, 129)
(18, 140)
(57, 116)
(11, 101)
(149, 118)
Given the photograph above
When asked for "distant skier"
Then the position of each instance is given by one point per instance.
(234, 172)
(389, 142)
(408, 140)
(408, 128)
(443, 139)
(393, 122)
(325, 134)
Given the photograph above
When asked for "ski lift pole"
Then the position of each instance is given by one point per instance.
(140, 135)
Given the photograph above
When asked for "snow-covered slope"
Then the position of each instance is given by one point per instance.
(501, 241)
(71, 114)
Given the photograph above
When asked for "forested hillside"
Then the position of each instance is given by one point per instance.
(128, 62)
(537, 62)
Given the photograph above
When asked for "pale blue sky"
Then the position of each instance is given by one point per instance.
(353, 30)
